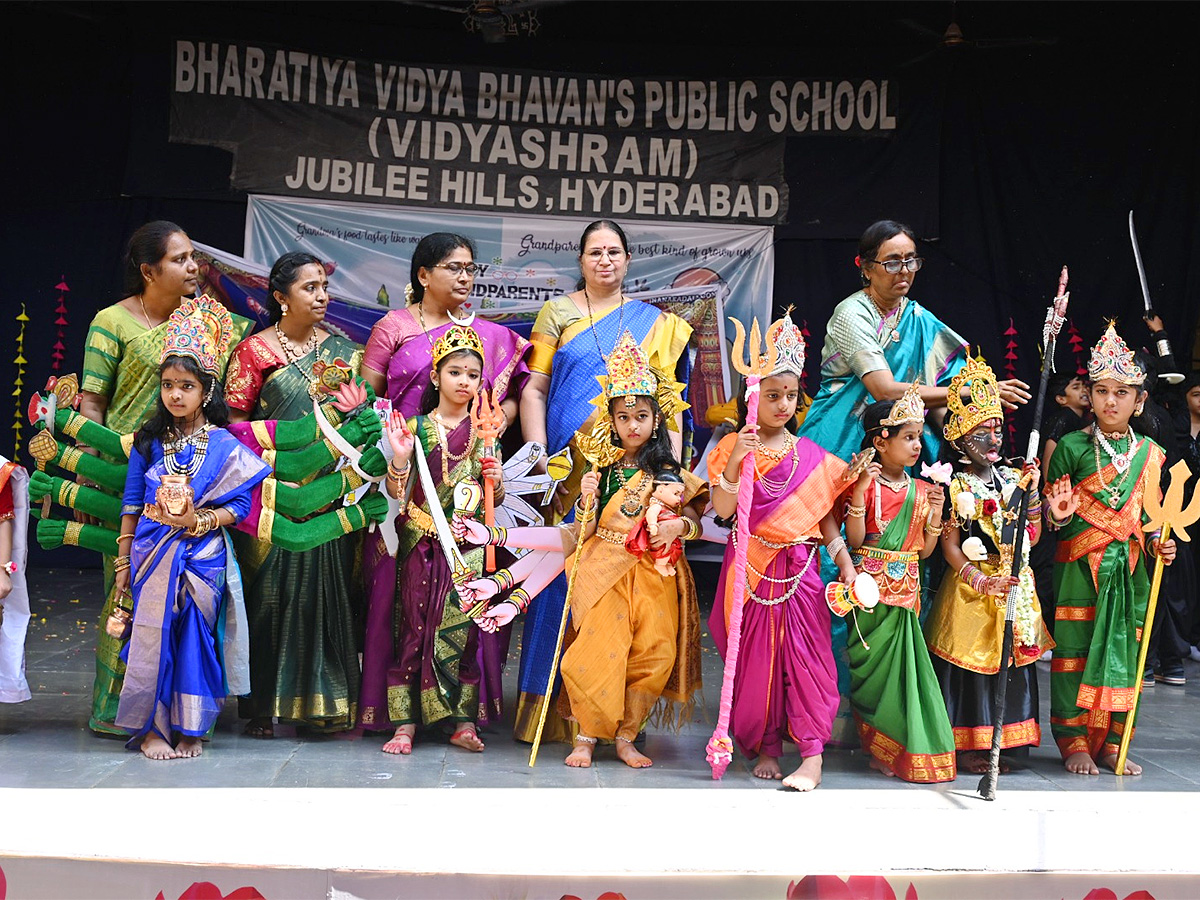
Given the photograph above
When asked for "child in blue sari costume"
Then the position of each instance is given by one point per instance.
(188, 480)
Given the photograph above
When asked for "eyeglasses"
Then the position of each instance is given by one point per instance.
(893, 266)
(457, 268)
(611, 253)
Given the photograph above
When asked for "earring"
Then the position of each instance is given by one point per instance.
(1137, 410)
(285, 309)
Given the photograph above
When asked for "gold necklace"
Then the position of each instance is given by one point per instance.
(788, 443)
(421, 319)
(627, 489)
(443, 440)
(145, 315)
(592, 323)
(883, 317)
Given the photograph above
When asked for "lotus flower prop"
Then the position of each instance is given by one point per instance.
(938, 473)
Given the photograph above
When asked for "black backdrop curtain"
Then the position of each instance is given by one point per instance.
(1041, 148)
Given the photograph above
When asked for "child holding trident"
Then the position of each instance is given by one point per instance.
(1098, 480)
(434, 675)
(894, 521)
(785, 683)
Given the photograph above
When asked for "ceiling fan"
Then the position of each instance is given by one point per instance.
(953, 39)
(494, 20)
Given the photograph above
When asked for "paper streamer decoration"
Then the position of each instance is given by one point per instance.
(1076, 342)
(61, 323)
(18, 411)
(1010, 369)
(804, 332)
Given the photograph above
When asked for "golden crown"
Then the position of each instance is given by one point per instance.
(909, 408)
(629, 374)
(202, 329)
(983, 402)
(1112, 358)
(457, 337)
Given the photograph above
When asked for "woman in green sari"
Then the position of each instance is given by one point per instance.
(303, 654)
(120, 386)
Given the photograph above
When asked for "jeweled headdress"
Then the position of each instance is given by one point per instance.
(457, 337)
(629, 373)
(789, 345)
(909, 408)
(1112, 358)
(983, 403)
(201, 328)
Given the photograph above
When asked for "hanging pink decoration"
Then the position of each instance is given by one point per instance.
(1076, 342)
(807, 339)
(1010, 369)
(61, 323)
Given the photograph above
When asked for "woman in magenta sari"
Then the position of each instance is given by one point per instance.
(397, 364)
(785, 685)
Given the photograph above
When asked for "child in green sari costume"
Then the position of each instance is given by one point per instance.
(1098, 480)
(892, 522)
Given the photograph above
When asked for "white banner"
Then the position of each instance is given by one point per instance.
(703, 272)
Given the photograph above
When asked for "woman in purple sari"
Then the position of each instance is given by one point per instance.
(397, 364)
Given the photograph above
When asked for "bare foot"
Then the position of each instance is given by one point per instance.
(1110, 762)
(189, 747)
(977, 762)
(631, 756)
(767, 767)
(154, 747)
(881, 767)
(402, 741)
(972, 761)
(1082, 764)
(807, 777)
(580, 756)
(466, 738)
(260, 727)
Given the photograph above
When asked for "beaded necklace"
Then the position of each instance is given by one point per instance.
(198, 439)
(592, 323)
(441, 433)
(1121, 462)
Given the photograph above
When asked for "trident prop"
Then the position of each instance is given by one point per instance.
(719, 751)
(1171, 516)
(598, 449)
(488, 419)
(1055, 317)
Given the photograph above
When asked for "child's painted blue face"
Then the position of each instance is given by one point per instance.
(634, 425)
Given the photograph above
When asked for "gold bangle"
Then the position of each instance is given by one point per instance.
(122, 537)
(931, 528)
(856, 512)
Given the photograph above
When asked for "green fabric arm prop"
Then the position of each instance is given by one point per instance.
(89, 433)
(73, 496)
(299, 501)
(328, 526)
(101, 471)
(54, 533)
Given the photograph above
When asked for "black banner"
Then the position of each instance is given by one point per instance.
(496, 140)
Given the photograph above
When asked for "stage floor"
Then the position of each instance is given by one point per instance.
(668, 831)
(45, 742)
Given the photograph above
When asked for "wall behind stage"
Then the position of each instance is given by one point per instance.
(1037, 151)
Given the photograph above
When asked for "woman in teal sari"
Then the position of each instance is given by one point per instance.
(571, 338)
(303, 653)
(878, 342)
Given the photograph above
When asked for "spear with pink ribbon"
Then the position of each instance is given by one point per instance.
(719, 751)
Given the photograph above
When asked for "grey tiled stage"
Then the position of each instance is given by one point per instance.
(45, 742)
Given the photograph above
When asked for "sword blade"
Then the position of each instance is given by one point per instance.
(1141, 269)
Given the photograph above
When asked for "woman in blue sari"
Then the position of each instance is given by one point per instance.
(878, 342)
(571, 338)
(188, 480)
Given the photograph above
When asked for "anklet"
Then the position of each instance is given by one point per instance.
(584, 739)
(625, 739)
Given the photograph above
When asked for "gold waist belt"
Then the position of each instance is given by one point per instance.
(421, 520)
